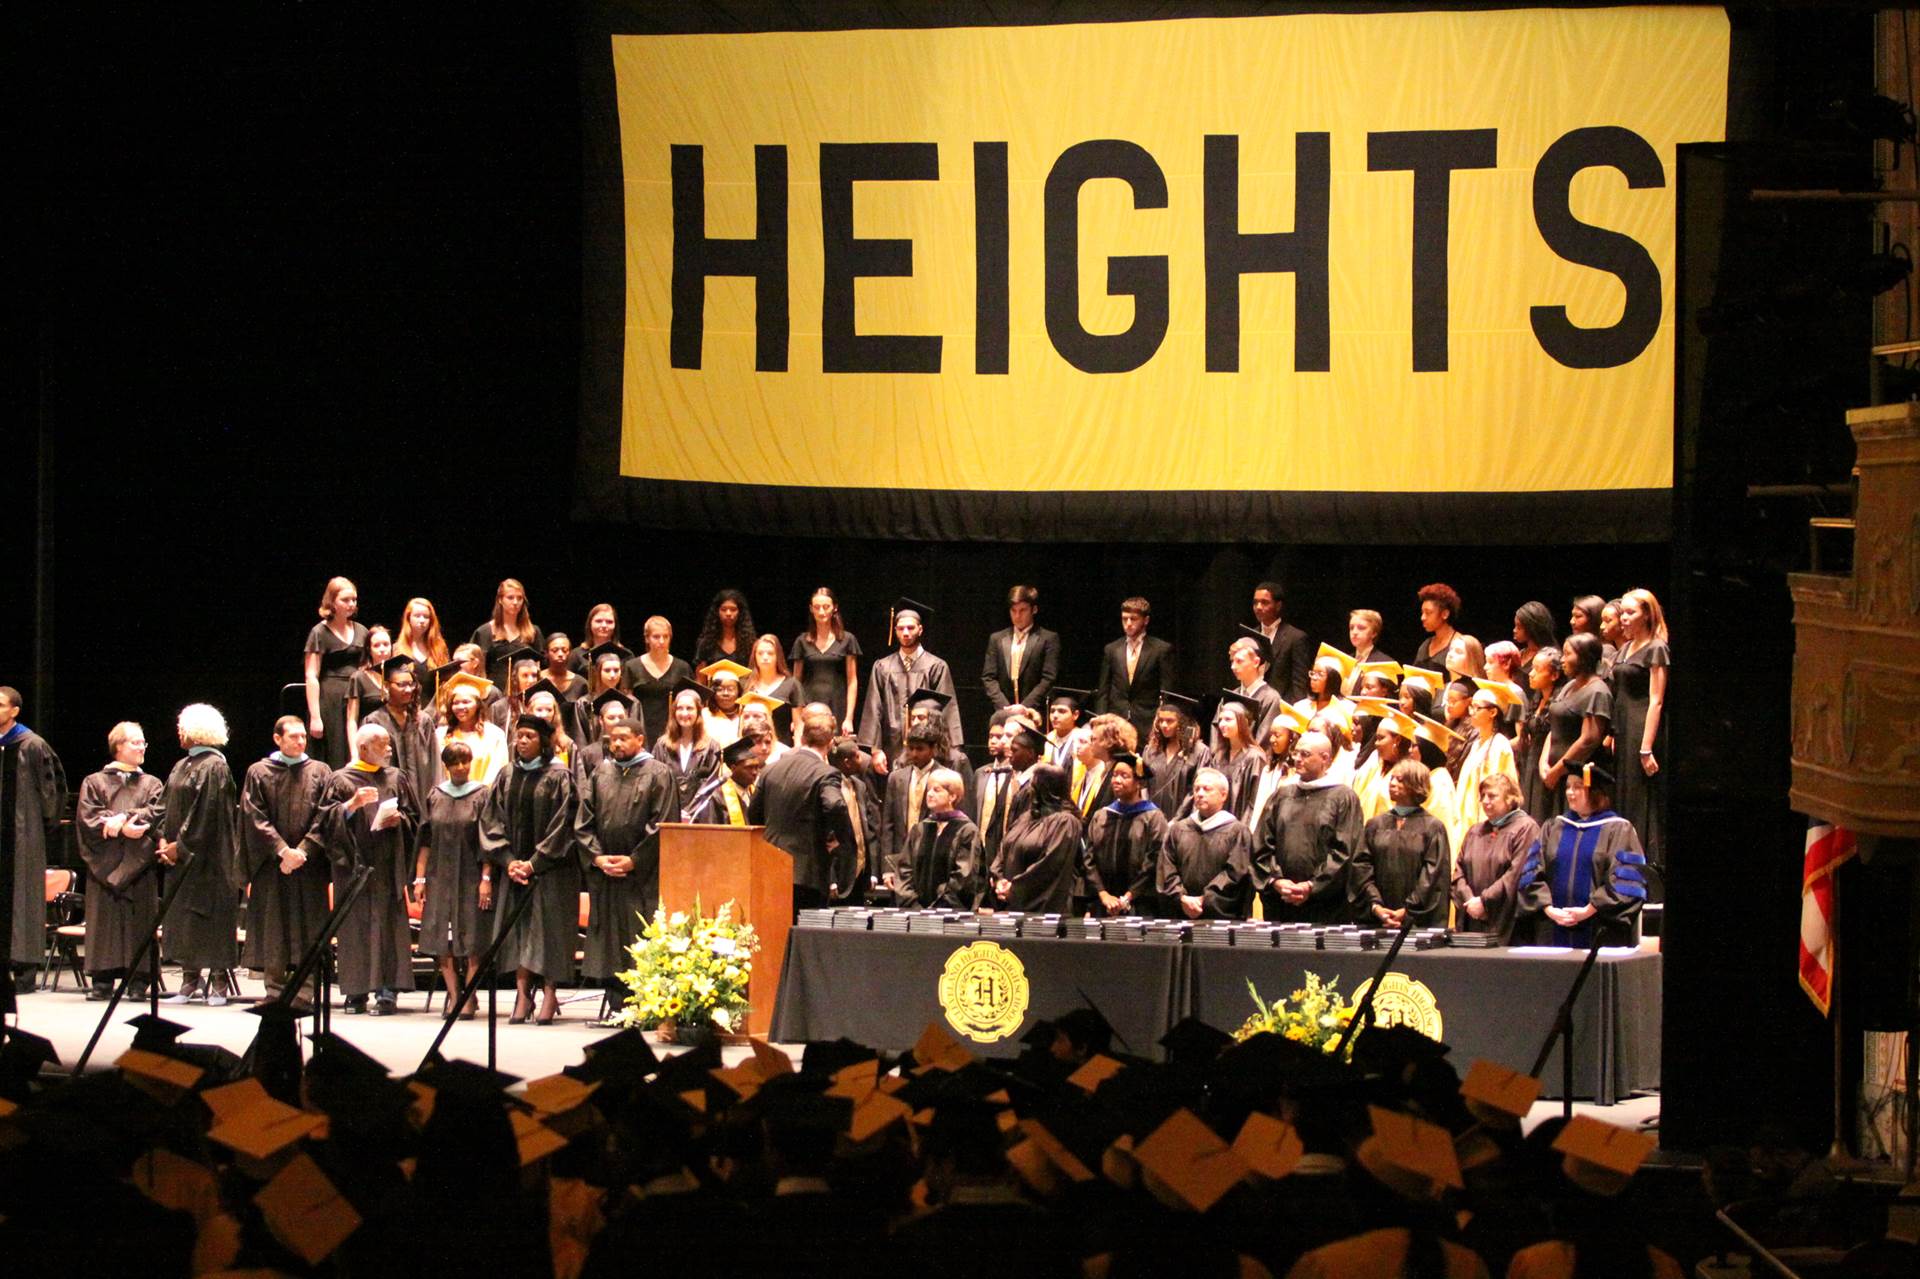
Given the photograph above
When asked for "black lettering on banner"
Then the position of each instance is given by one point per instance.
(1578, 242)
(1142, 276)
(990, 256)
(1432, 155)
(1232, 253)
(696, 255)
(846, 258)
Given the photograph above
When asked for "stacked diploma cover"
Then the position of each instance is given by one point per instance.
(891, 920)
(1084, 928)
(1214, 932)
(1127, 928)
(1042, 925)
(1003, 926)
(962, 925)
(1473, 941)
(928, 921)
(820, 918)
(856, 921)
(1166, 932)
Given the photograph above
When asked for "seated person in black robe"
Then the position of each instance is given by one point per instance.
(1206, 864)
(1403, 869)
(941, 858)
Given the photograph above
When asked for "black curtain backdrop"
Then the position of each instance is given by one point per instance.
(298, 292)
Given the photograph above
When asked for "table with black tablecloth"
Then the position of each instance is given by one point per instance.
(882, 989)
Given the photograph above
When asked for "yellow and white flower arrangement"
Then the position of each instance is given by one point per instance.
(1314, 1015)
(690, 970)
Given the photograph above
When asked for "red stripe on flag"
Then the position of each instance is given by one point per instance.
(1828, 848)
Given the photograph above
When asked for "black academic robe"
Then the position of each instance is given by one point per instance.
(1134, 700)
(1214, 864)
(281, 804)
(203, 816)
(1488, 867)
(1579, 861)
(1122, 856)
(1401, 862)
(988, 801)
(940, 863)
(1243, 782)
(374, 938)
(701, 763)
(121, 886)
(39, 789)
(1269, 702)
(528, 817)
(1173, 775)
(860, 862)
(1308, 834)
(883, 701)
(413, 752)
(451, 921)
(618, 813)
(720, 803)
(1040, 855)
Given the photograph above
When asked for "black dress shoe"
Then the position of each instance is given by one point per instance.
(384, 1008)
(99, 994)
(357, 1004)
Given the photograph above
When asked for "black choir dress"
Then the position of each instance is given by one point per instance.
(1640, 799)
(497, 650)
(451, 921)
(788, 691)
(1534, 729)
(822, 673)
(1565, 714)
(656, 695)
(339, 663)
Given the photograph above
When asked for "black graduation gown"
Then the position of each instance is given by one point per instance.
(451, 921)
(655, 695)
(375, 940)
(883, 711)
(939, 864)
(121, 892)
(1173, 775)
(413, 752)
(1039, 855)
(1488, 867)
(1578, 861)
(281, 803)
(1402, 862)
(711, 807)
(497, 650)
(702, 763)
(618, 813)
(1214, 865)
(1122, 855)
(1308, 834)
(338, 664)
(988, 800)
(203, 817)
(39, 802)
(528, 817)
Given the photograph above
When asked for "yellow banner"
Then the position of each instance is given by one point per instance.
(1415, 252)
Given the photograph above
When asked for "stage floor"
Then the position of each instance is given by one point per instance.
(531, 1052)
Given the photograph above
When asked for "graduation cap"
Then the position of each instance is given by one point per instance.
(1601, 1158)
(601, 702)
(306, 1212)
(1269, 1146)
(246, 1119)
(725, 666)
(1088, 1029)
(1390, 670)
(1411, 1157)
(1141, 769)
(687, 685)
(1434, 680)
(1432, 730)
(1030, 735)
(1192, 1042)
(906, 605)
(1292, 717)
(274, 1055)
(1260, 642)
(449, 670)
(599, 651)
(624, 1055)
(480, 688)
(772, 704)
(738, 750)
(21, 1058)
(538, 725)
(1237, 698)
(522, 653)
(1400, 724)
(541, 685)
(1190, 1160)
(1347, 662)
(1497, 1095)
(1501, 691)
(1188, 706)
(1073, 697)
(467, 1081)
(937, 699)
(1376, 707)
(1592, 774)
(1264, 1067)
(831, 1056)
(155, 1033)
(164, 1076)
(398, 662)
(336, 1058)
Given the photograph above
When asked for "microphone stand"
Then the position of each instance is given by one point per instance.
(1363, 1017)
(148, 956)
(1562, 1030)
(319, 953)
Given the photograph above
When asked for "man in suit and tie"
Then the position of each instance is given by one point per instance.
(1134, 668)
(1023, 660)
(800, 802)
(1292, 656)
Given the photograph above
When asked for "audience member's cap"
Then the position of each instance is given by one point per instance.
(1192, 1042)
(934, 696)
(599, 651)
(725, 666)
(1501, 691)
(149, 1067)
(21, 1057)
(1497, 1095)
(1087, 1028)
(687, 685)
(624, 1055)
(1269, 1146)
(1347, 662)
(306, 1212)
(1434, 680)
(541, 726)
(1188, 706)
(1600, 1157)
(154, 1032)
(772, 704)
(1389, 1050)
(1191, 1160)
(1141, 769)
(246, 1119)
(1260, 642)
(831, 1056)
(466, 1080)
(610, 695)
(398, 662)
(1411, 1157)
(905, 605)
(1391, 670)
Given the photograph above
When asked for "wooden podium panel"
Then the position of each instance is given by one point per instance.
(711, 865)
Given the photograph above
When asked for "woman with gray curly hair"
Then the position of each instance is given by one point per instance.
(200, 834)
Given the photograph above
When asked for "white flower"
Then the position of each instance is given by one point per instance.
(724, 946)
(723, 1019)
(678, 945)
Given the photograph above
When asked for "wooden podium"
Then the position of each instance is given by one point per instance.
(717, 864)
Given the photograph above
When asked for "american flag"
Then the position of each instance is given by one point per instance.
(1828, 847)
